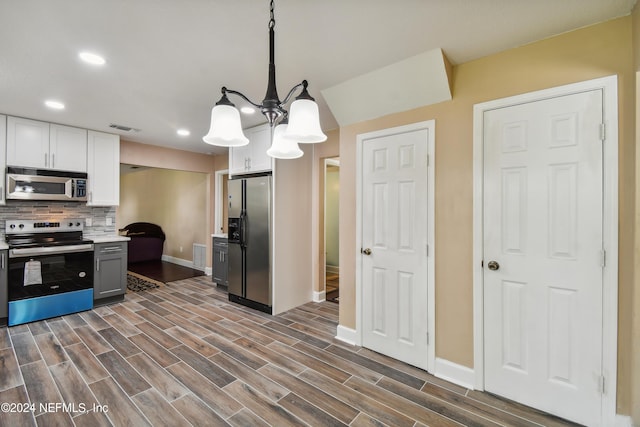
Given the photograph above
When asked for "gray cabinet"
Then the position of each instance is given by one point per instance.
(220, 263)
(4, 302)
(110, 272)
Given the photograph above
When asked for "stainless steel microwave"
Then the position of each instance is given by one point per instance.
(43, 184)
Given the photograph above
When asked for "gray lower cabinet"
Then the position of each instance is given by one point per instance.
(110, 272)
(220, 263)
(4, 288)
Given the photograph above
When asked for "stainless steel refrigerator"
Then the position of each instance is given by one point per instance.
(250, 242)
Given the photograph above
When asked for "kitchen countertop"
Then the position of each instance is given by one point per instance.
(108, 238)
(220, 235)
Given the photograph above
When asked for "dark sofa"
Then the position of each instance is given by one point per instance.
(147, 241)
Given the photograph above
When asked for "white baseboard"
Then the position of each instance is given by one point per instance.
(457, 374)
(208, 271)
(623, 421)
(182, 262)
(319, 296)
(348, 335)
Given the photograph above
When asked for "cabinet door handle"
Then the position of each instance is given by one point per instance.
(2, 258)
(97, 264)
(46, 160)
(53, 160)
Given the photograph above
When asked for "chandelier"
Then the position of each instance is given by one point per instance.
(300, 125)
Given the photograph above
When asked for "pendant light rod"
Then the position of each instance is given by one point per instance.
(271, 105)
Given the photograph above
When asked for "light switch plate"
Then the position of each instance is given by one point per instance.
(88, 222)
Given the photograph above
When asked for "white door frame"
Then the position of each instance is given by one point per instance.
(430, 126)
(609, 86)
(218, 205)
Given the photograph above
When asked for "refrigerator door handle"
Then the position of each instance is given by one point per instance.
(243, 230)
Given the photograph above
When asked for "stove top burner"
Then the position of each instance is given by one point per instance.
(38, 233)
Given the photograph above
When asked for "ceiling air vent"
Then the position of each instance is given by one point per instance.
(123, 128)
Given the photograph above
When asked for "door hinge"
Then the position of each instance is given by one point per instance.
(427, 247)
(603, 258)
(601, 384)
(427, 338)
(428, 160)
(603, 132)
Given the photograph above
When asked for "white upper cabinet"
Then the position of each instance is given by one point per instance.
(252, 158)
(27, 142)
(3, 158)
(104, 169)
(238, 158)
(36, 144)
(67, 148)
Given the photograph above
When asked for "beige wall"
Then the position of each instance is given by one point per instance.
(175, 200)
(635, 355)
(588, 53)
(292, 231)
(159, 157)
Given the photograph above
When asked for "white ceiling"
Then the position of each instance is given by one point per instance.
(168, 59)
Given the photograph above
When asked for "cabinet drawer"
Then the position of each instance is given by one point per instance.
(111, 248)
(222, 244)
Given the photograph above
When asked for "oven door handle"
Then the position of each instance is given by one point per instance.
(50, 250)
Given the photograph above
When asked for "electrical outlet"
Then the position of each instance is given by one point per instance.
(88, 222)
(109, 220)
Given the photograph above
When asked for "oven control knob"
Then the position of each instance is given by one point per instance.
(77, 224)
(12, 226)
(70, 224)
(21, 226)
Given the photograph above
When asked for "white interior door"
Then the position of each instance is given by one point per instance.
(394, 269)
(543, 228)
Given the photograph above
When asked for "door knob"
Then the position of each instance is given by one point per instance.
(493, 265)
(366, 251)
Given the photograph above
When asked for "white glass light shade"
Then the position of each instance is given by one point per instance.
(226, 129)
(304, 122)
(282, 148)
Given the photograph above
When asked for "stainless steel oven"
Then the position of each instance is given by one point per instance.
(50, 270)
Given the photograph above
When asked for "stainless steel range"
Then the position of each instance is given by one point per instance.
(50, 269)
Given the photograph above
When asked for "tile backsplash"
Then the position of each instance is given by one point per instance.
(54, 211)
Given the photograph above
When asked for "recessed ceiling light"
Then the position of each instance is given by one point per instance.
(92, 58)
(248, 110)
(56, 105)
(183, 132)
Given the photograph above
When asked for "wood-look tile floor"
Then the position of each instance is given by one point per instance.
(183, 355)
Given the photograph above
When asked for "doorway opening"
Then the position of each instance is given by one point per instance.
(331, 229)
